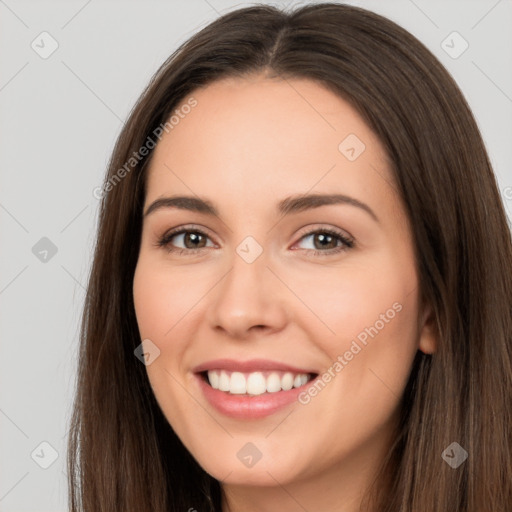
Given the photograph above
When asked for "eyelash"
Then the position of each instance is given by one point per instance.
(165, 241)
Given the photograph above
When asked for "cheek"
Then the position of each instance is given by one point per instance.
(369, 359)
(160, 306)
(368, 324)
(162, 297)
(163, 309)
(360, 300)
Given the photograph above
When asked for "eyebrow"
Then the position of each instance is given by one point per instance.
(289, 205)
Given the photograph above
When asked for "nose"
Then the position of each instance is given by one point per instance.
(248, 300)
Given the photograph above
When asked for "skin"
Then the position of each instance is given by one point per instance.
(248, 144)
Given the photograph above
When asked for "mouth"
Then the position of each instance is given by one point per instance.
(255, 383)
(250, 390)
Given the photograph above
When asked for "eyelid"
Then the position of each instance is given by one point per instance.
(313, 228)
(171, 233)
(187, 227)
(310, 230)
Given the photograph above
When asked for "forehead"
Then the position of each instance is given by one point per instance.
(260, 136)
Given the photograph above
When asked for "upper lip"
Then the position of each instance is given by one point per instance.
(251, 365)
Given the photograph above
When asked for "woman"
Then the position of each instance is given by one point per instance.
(225, 366)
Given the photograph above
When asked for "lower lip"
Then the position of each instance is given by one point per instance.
(246, 406)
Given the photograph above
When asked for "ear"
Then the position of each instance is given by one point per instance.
(427, 331)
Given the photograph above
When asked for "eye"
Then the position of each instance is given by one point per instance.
(329, 241)
(193, 238)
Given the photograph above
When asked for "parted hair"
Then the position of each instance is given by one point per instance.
(122, 453)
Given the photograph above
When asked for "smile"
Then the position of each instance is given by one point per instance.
(255, 383)
(248, 390)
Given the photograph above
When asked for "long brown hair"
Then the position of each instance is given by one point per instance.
(123, 454)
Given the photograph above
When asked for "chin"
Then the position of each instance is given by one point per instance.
(259, 475)
(241, 461)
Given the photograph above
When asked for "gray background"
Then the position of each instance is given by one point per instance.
(60, 117)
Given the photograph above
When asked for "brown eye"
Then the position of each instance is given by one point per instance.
(192, 240)
(326, 241)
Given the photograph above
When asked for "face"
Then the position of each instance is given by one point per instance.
(302, 311)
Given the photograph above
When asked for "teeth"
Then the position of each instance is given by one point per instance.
(255, 383)
(224, 381)
(214, 379)
(238, 384)
(273, 383)
(287, 381)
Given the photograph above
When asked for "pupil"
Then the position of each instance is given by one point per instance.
(324, 238)
(194, 237)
